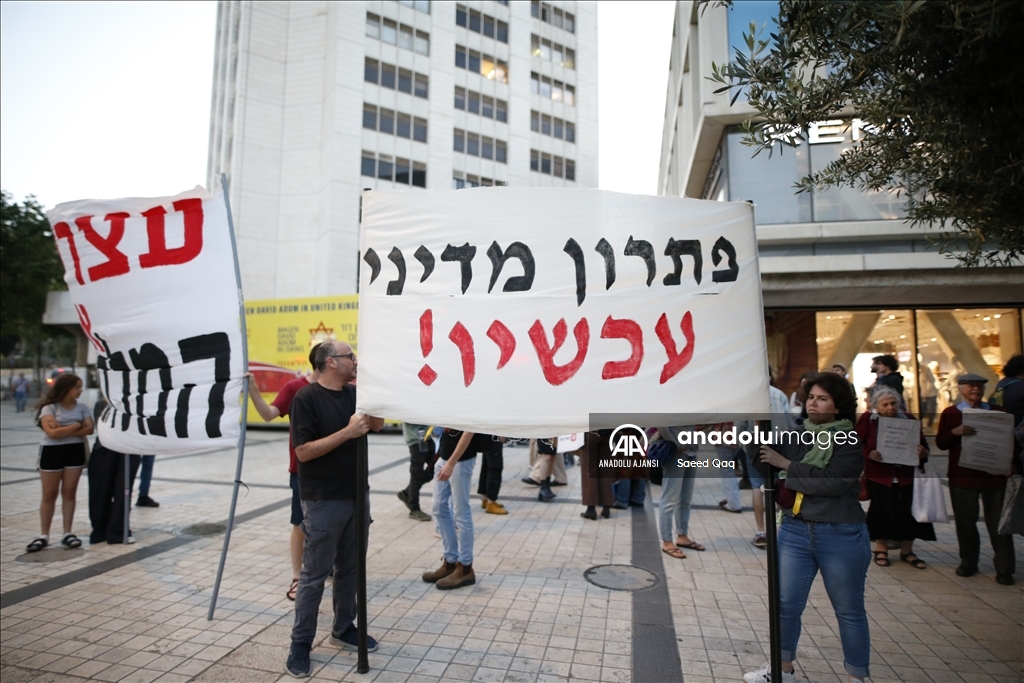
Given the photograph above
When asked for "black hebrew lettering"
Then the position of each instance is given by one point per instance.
(424, 256)
(644, 250)
(730, 273)
(395, 286)
(373, 261)
(464, 255)
(605, 250)
(678, 248)
(218, 347)
(572, 248)
(520, 283)
(150, 357)
(117, 363)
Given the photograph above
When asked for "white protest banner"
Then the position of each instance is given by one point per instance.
(153, 282)
(898, 440)
(522, 311)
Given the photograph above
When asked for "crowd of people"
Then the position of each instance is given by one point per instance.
(820, 489)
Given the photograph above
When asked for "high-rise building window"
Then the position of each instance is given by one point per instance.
(556, 166)
(391, 32)
(481, 23)
(387, 76)
(552, 52)
(394, 123)
(484, 105)
(552, 15)
(398, 170)
(483, 64)
(481, 146)
(418, 5)
(553, 126)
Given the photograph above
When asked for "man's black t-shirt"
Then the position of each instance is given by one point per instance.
(317, 412)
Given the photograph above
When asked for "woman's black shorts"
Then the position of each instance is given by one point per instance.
(56, 458)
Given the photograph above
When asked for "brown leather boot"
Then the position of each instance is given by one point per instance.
(444, 570)
(462, 576)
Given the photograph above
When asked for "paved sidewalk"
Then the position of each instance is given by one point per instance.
(138, 612)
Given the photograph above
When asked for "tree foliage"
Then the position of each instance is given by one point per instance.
(938, 82)
(29, 267)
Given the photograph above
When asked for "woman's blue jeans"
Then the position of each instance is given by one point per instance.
(676, 494)
(453, 511)
(842, 552)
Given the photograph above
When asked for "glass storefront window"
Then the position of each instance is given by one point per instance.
(849, 203)
(948, 342)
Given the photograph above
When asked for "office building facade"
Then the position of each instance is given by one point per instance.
(315, 102)
(844, 277)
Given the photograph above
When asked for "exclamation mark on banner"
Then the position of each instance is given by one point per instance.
(426, 373)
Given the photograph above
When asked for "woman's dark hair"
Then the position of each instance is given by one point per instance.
(1014, 367)
(61, 386)
(842, 394)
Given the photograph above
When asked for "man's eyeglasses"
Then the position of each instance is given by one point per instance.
(350, 356)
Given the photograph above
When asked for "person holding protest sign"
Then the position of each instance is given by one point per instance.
(280, 408)
(967, 484)
(823, 528)
(326, 430)
(452, 509)
(66, 423)
(891, 485)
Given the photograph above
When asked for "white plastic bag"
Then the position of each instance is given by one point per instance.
(929, 504)
(1012, 519)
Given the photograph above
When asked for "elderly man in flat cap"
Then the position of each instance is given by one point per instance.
(966, 485)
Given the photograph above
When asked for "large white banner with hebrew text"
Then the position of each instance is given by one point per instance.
(153, 281)
(522, 311)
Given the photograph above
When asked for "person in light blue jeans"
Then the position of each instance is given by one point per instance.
(453, 477)
(676, 494)
(824, 527)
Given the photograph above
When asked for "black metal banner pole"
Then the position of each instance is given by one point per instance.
(774, 625)
(362, 492)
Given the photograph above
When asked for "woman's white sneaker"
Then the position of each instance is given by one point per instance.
(764, 675)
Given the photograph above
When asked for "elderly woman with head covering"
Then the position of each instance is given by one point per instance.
(890, 485)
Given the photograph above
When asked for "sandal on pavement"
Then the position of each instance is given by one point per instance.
(292, 590)
(674, 552)
(692, 545)
(37, 545)
(913, 560)
(71, 541)
(881, 557)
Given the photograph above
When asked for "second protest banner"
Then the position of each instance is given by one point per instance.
(523, 311)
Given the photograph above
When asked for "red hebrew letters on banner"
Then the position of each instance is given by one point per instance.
(461, 338)
(117, 262)
(560, 374)
(159, 254)
(676, 360)
(62, 231)
(506, 341)
(630, 331)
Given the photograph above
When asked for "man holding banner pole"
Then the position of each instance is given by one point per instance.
(327, 433)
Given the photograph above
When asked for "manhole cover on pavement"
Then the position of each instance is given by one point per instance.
(205, 529)
(621, 577)
(51, 555)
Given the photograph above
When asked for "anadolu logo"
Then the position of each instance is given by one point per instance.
(628, 443)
